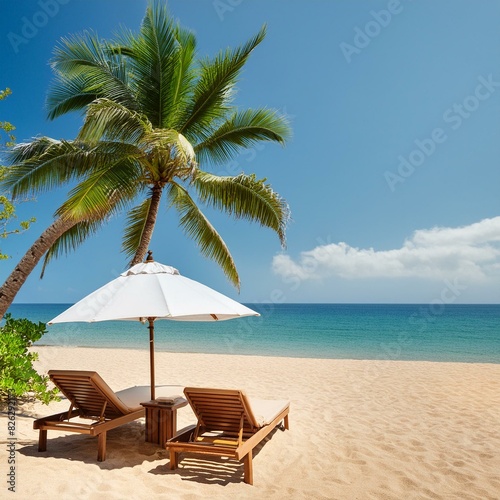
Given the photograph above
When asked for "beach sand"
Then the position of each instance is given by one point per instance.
(358, 430)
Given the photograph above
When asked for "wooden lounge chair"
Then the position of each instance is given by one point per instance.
(229, 425)
(90, 398)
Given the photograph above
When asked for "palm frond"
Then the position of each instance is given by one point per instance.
(104, 191)
(28, 150)
(152, 56)
(184, 75)
(88, 67)
(45, 164)
(69, 94)
(79, 52)
(214, 90)
(134, 229)
(104, 152)
(242, 130)
(106, 119)
(198, 227)
(244, 196)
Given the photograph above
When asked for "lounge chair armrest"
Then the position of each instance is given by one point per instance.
(58, 417)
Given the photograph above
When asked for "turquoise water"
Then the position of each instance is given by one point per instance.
(468, 333)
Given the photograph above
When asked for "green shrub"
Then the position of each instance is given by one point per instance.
(18, 378)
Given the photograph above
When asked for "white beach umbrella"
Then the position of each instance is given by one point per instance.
(150, 291)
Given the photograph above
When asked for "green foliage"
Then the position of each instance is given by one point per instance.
(18, 377)
(6, 126)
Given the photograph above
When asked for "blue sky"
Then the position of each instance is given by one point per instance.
(392, 174)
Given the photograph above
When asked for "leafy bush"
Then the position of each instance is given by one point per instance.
(18, 378)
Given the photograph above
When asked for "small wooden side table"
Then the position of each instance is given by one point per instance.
(161, 420)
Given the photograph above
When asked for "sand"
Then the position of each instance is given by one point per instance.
(358, 430)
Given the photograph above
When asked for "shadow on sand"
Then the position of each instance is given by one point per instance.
(209, 469)
(125, 447)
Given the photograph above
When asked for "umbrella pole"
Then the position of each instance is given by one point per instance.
(152, 355)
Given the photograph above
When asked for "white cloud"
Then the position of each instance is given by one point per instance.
(470, 252)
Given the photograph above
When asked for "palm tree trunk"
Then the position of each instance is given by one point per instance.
(16, 280)
(149, 226)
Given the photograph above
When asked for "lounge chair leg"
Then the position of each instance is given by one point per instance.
(248, 473)
(42, 440)
(173, 460)
(286, 422)
(101, 447)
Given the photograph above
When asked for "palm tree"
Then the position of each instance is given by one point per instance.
(154, 114)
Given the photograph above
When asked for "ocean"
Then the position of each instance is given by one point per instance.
(434, 332)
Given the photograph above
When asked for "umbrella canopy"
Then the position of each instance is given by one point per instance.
(150, 291)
